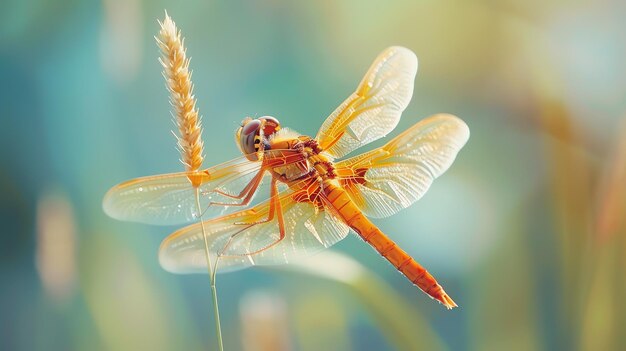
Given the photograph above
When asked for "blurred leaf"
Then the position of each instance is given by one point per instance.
(398, 321)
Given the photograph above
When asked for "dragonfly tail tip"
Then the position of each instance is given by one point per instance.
(447, 302)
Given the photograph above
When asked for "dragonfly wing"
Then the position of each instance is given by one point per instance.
(308, 229)
(170, 198)
(385, 180)
(374, 109)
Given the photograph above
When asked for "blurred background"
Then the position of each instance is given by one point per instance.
(526, 230)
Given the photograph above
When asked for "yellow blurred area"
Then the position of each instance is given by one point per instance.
(55, 256)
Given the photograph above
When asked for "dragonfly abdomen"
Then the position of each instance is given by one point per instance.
(370, 233)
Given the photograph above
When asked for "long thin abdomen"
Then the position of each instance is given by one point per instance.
(417, 274)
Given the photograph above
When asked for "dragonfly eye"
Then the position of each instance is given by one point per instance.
(270, 125)
(250, 138)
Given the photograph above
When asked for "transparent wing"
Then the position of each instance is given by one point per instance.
(383, 181)
(308, 229)
(374, 109)
(170, 198)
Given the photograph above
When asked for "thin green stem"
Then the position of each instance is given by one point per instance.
(212, 270)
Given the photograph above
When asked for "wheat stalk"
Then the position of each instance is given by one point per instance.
(178, 81)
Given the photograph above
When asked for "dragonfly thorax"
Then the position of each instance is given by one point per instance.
(291, 158)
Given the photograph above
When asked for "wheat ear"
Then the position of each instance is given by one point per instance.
(178, 81)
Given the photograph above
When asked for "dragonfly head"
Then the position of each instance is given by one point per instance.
(253, 134)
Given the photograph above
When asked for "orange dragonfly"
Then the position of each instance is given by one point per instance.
(314, 200)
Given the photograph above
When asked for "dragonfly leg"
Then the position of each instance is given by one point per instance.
(251, 186)
(275, 210)
(248, 191)
(274, 205)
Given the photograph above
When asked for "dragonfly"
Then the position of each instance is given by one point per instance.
(317, 194)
